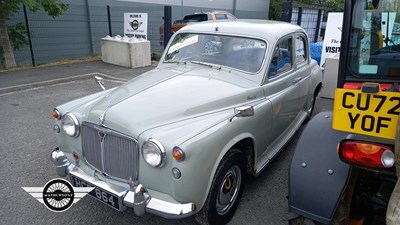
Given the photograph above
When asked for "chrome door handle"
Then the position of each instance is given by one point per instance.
(296, 80)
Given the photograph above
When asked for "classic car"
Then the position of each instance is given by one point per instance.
(179, 140)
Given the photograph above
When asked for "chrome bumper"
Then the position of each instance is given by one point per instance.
(135, 197)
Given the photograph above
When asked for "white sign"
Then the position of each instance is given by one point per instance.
(333, 35)
(135, 25)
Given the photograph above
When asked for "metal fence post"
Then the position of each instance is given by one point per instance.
(90, 27)
(318, 25)
(299, 16)
(167, 24)
(109, 21)
(29, 36)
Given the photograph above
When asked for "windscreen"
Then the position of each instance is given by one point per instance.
(374, 47)
(240, 53)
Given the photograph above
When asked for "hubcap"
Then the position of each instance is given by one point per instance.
(228, 190)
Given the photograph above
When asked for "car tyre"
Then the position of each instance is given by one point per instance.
(226, 190)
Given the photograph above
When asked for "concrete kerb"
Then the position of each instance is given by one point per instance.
(59, 81)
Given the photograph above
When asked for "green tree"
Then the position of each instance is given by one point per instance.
(14, 37)
(275, 8)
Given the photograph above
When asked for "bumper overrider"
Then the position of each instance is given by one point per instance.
(136, 197)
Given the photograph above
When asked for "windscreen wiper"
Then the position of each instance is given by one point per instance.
(175, 61)
(207, 64)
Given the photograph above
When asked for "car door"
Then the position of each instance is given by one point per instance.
(282, 89)
(303, 70)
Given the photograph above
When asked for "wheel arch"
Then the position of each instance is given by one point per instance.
(243, 142)
(246, 146)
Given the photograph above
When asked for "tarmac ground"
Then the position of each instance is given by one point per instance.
(21, 79)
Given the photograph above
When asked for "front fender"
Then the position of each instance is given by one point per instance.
(317, 177)
(203, 152)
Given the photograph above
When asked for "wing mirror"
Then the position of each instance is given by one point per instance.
(243, 111)
(100, 81)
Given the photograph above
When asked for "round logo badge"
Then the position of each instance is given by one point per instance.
(135, 24)
(58, 195)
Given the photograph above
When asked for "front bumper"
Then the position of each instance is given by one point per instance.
(135, 197)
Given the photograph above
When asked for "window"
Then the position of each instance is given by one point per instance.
(282, 58)
(196, 17)
(300, 50)
(230, 16)
(220, 16)
(239, 53)
(374, 45)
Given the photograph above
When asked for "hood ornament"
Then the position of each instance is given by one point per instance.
(102, 117)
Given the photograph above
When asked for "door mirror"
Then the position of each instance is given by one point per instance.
(243, 111)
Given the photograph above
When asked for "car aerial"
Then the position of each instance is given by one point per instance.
(179, 140)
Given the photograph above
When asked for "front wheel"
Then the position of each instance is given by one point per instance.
(226, 190)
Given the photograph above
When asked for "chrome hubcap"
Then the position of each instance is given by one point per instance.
(228, 190)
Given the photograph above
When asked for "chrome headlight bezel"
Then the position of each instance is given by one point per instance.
(154, 153)
(70, 125)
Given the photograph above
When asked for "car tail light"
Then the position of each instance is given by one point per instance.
(366, 154)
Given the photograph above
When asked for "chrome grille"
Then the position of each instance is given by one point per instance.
(110, 152)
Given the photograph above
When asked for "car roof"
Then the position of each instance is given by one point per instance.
(266, 29)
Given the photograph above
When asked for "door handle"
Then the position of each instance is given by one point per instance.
(296, 80)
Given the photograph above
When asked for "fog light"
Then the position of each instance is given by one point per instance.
(387, 159)
(56, 128)
(176, 173)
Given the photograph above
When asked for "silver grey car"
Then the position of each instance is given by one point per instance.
(180, 140)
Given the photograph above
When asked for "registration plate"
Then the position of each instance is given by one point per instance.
(98, 193)
(363, 113)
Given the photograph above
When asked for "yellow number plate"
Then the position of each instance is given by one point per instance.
(369, 114)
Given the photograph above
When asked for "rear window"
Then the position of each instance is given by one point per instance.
(196, 17)
(375, 40)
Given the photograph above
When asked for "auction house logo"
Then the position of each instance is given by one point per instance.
(58, 195)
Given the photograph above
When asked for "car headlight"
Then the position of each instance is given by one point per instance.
(153, 153)
(70, 125)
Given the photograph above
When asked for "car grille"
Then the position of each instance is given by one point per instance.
(110, 152)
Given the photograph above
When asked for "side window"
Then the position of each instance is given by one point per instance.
(301, 53)
(230, 16)
(220, 16)
(281, 58)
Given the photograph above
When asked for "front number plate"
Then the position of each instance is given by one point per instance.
(369, 114)
(98, 193)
